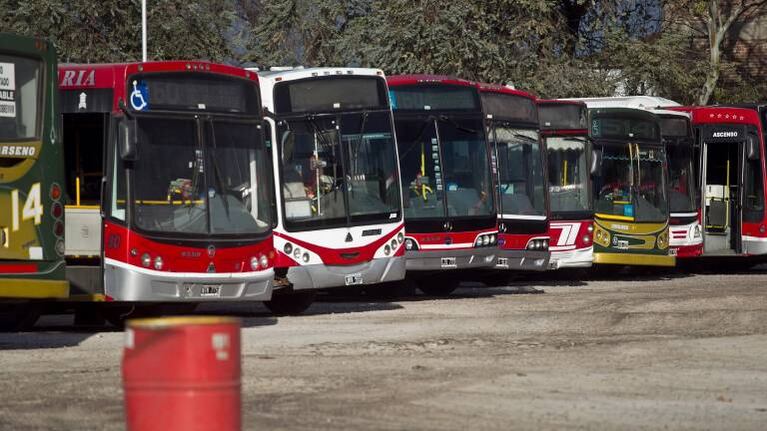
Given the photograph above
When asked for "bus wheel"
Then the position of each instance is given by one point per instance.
(288, 304)
(19, 316)
(438, 287)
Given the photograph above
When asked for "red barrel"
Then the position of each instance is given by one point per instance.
(182, 373)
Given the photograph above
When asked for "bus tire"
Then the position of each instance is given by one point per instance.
(19, 317)
(290, 304)
(439, 287)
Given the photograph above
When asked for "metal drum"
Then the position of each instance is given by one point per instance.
(182, 373)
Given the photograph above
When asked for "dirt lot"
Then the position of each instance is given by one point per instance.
(678, 351)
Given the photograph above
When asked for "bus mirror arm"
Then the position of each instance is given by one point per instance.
(127, 140)
(596, 162)
(752, 148)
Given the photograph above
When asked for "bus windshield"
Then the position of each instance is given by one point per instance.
(631, 184)
(337, 169)
(444, 167)
(19, 97)
(521, 185)
(569, 177)
(682, 183)
(200, 184)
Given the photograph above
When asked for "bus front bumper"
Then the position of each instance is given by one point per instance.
(447, 260)
(124, 282)
(379, 270)
(634, 259)
(579, 258)
(523, 260)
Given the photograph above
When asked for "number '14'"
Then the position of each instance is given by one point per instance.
(32, 209)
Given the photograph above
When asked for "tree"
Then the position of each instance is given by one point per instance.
(712, 19)
(110, 30)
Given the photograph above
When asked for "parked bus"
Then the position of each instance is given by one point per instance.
(519, 168)
(685, 232)
(339, 215)
(564, 126)
(31, 173)
(169, 185)
(630, 188)
(450, 216)
(730, 156)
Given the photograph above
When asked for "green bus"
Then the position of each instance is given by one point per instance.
(631, 220)
(32, 267)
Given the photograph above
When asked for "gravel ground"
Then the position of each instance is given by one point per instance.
(675, 351)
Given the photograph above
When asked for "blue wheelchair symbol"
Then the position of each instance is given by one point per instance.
(139, 96)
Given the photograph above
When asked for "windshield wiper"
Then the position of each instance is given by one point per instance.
(455, 124)
(526, 138)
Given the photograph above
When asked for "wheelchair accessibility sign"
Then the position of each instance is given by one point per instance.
(139, 96)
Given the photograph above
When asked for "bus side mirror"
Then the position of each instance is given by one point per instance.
(596, 162)
(127, 140)
(752, 148)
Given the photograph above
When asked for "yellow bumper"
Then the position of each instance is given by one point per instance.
(24, 288)
(634, 259)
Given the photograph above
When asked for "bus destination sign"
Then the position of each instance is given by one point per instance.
(7, 90)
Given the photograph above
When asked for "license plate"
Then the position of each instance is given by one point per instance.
(448, 262)
(209, 291)
(623, 245)
(672, 251)
(353, 279)
(502, 262)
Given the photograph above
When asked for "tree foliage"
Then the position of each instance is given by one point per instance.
(555, 48)
(110, 30)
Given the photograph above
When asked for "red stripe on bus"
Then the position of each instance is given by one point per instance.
(18, 268)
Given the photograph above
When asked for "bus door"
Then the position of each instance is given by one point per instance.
(86, 120)
(725, 152)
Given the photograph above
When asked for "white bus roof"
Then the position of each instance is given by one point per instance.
(267, 79)
(647, 103)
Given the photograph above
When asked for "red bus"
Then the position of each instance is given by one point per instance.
(450, 216)
(169, 184)
(519, 168)
(730, 153)
(564, 126)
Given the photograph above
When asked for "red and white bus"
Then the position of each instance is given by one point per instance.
(166, 168)
(564, 126)
(730, 154)
(450, 214)
(339, 204)
(519, 168)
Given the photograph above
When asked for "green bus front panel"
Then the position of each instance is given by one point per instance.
(31, 171)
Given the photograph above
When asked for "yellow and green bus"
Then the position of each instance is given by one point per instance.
(32, 267)
(631, 220)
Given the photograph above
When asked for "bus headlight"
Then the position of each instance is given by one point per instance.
(387, 250)
(264, 261)
(696, 231)
(394, 244)
(400, 237)
(586, 239)
(306, 257)
(146, 260)
(409, 244)
(485, 240)
(158, 263)
(254, 263)
(590, 228)
(288, 248)
(296, 252)
(493, 239)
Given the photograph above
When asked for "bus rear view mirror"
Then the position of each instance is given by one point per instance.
(127, 140)
(596, 162)
(752, 148)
